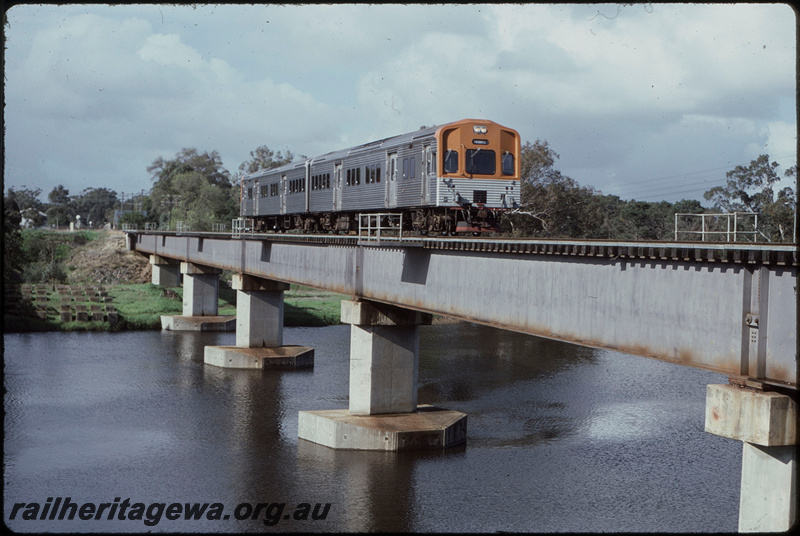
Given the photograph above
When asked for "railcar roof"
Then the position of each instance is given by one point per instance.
(333, 155)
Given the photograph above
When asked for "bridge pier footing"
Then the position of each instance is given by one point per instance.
(259, 329)
(383, 412)
(200, 297)
(765, 422)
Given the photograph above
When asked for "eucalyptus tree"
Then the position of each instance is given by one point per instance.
(194, 184)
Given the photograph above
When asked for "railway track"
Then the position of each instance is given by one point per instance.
(724, 252)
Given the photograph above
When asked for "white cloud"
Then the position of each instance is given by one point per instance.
(96, 93)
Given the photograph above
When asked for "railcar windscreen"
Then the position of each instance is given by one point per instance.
(508, 164)
(480, 162)
(451, 161)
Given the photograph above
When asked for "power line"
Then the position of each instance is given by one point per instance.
(625, 191)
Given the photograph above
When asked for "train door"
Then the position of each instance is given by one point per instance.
(256, 197)
(284, 192)
(428, 174)
(307, 188)
(337, 186)
(391, 180)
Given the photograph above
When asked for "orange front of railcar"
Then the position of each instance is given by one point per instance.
(475, 148)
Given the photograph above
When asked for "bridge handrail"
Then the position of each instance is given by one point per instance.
(372, 227)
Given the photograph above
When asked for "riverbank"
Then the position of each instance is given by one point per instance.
(104, 287)
(125, 307)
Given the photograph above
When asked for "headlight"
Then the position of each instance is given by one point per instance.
(479, 129)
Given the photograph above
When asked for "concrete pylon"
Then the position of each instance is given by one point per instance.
(200, 298)
(259, 329)
(384, 357)
(200, 289)
(383, 412)
(165, 272)
(766, 423)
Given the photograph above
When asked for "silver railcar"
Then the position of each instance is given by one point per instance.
(450, 178)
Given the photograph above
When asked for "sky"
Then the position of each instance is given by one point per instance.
(648, 101)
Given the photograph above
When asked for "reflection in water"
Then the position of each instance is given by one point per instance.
(560, 438)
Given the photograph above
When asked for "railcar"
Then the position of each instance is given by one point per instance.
(453, 178)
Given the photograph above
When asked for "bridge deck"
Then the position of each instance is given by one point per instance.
(725, 307)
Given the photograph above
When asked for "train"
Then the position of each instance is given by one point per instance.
(450, 179)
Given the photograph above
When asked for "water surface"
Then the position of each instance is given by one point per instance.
(560, 438)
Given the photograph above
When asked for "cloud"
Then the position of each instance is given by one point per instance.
(622, 93)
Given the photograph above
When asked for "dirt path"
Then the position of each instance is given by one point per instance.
(104, 260)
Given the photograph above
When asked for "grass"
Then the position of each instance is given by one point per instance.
(140, 306)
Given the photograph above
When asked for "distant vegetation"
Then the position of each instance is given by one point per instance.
(555, 206)
(195, 190)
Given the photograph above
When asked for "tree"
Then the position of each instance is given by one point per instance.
(31, 208)
(207, 164)
(95, 205)
(202, 204)
(12, 240)
(59, 211)
(751, 189)
(265, 158)
(643, 220)
(192, 184)
(551, 204)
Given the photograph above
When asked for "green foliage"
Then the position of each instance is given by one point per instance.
(12, 241)
(751, 189)
(555, 206)
(30, 207)
(265, 158)
(551, 204)
(95, 206)
(193, 188)
(136, 218)
(42, 254)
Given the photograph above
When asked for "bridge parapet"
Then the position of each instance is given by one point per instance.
(737, 253)
(681, 302)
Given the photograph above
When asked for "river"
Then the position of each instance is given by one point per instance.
(560, 438)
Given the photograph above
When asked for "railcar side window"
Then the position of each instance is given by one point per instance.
(378, 173)
(327, 180)
(508, 163)
(451, 161)
(250, 193)
(409, 167)
(480, 162)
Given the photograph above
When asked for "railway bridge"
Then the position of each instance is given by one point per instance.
(731, 308)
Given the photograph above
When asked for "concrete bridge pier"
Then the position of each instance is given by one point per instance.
(766, 423)
(165, 272)
(200, 297)
(259, 329)
(383, 412)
